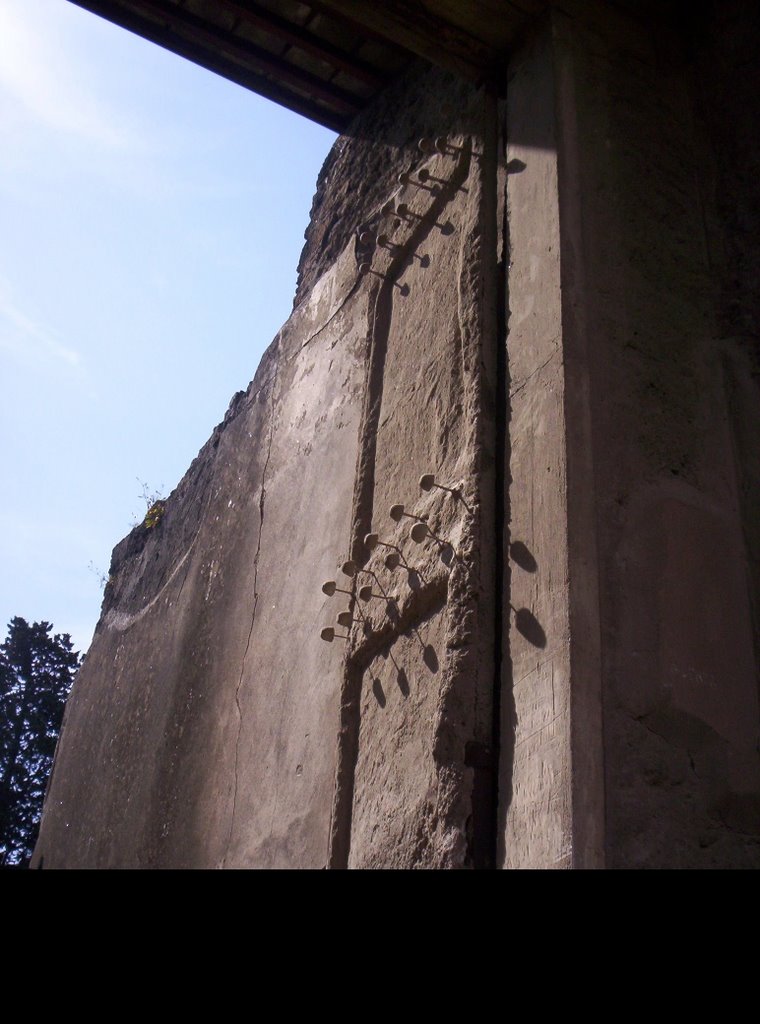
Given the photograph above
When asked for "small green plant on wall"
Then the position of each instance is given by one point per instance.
(154, 503)
(155, 514)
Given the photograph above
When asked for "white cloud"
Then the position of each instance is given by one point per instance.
(37, 73)
(24, 337)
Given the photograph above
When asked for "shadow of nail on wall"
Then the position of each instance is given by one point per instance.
(526, 622)
(430, 658)
(522, 556)
(528, 625)
(403, 682)
(377, 690)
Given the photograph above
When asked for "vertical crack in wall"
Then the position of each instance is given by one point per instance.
(466, 743)
(262, 497)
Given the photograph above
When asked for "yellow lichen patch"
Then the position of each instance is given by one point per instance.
(154, 515)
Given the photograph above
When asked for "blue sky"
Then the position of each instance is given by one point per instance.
(151, 219)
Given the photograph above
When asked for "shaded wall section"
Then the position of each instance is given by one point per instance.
(632, 713)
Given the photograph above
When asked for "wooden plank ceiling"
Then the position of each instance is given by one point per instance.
(325, 59)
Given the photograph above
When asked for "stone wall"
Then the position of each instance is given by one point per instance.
(551, 307)
(211, 726)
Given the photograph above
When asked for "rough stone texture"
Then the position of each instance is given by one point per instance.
(598, 424)
(361, 169)
(225, 732)
(428, 330)
(204, 704)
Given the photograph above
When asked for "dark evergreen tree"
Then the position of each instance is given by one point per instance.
(36, 673)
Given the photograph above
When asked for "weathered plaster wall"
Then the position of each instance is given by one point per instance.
(211, 726)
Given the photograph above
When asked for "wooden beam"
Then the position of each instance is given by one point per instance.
(117, 12)
(410, 25)
(194, 29)
(293, 34)
(190, 26)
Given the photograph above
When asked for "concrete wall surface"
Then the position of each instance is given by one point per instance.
(630, 709)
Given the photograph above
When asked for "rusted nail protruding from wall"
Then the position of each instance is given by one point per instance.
(366, 268)
(437, 145)
(391, 560)
(428, 482)
(402, 209)
(421, 179)
(372, 541)
(328, 634)
(346, 619)
(443, 145)
(366, 594)
(383, 595)
(424, 176)
(447, 228)
(397, 513)
(419, 532)
(385, 243)
(330, 587)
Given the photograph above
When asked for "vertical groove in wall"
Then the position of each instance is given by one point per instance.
(364, 486)
(501, 483)
(380, 319)
(480, 342)
(584, 601)
(348, 751)
(380, 305)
